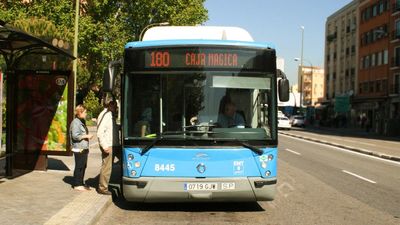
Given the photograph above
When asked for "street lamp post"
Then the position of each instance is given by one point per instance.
(151, 25)
(301, 67)
(75, 53)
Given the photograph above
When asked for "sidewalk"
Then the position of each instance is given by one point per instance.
(352, 139)
(46, 197)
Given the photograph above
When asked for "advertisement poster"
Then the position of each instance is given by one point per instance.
(41, 113)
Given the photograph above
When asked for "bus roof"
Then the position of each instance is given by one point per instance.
(196, 32)
(168, 36)
(198, 42)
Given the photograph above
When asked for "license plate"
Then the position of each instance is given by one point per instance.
(200, 186)
(227, 186)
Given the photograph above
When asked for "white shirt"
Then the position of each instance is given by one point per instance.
(107, 130)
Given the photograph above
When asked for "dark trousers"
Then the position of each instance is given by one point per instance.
(80, 167)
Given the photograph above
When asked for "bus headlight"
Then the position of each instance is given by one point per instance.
(137, 164)
(133, 173)
(263, 164)
(267, 173)
(270, 157)
(130, 157)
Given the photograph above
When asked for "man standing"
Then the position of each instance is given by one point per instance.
(108, 135)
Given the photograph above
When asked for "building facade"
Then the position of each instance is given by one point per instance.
(341, 45)
(362, 61)
(341, 63)
(394, 72)
(371, 102)
(312, 85)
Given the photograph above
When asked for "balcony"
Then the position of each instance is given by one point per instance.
(395, 89)
(395, 36)
(331, 37)
(395, 63)
(395, 9)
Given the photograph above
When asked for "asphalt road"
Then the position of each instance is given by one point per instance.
(317, 184)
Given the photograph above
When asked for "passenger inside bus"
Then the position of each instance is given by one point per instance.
(142, 127)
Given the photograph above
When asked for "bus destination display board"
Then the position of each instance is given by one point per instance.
(198, 58)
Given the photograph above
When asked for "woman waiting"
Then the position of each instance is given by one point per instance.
(80, 147)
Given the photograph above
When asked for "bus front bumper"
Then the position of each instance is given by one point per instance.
(155, 189)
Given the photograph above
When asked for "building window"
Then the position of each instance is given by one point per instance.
(374, 10)
(385, 57)
(378, 86)
(397, 84)
(397, 30)
(384, 85)
(365, 87)
(367, 62)
(380, 10)
(379, 59)
(396, 61)
(373, 59)
(371, 86)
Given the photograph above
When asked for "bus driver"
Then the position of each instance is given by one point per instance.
(229, 117)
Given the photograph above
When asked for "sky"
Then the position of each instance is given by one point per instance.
(279, 22)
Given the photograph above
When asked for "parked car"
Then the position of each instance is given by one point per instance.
(284, 123)
(297, 121)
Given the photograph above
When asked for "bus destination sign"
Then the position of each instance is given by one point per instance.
(202, 58)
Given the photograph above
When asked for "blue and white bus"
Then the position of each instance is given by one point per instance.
(179, 142)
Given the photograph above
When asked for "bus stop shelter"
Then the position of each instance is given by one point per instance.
(39, 99)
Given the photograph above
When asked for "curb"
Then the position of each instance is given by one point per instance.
(359, 150)
(85, 209)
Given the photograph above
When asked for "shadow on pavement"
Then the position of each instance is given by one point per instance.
(191, 207)
(91, 182)
(56, 164)
(69, 180)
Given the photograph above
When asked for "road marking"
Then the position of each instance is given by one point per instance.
(358, 176)
(294, 152)
(344, 150)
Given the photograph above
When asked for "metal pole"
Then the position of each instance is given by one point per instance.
(1, 109)
(151, 25)
(301, 67)
(75, 63)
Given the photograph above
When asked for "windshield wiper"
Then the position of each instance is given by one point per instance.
(252, 147)
(149, 146)
(247, 145)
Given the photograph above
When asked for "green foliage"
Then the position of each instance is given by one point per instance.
(105, 26)
(92, 104)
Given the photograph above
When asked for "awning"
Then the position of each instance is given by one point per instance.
(14, 42)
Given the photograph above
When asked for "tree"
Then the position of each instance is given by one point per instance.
(105, 26)
(92, 104)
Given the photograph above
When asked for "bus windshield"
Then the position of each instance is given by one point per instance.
(205, 105)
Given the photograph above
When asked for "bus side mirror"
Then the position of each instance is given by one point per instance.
(283, 86)
(108, 84)
(109, 75)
